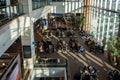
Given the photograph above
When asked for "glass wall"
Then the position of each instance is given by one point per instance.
(2, 3)
(73, 6)
(13, 2)
(105, 18)
(39, 3)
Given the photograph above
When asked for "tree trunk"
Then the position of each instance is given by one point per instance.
(115, 60)
(119, 31)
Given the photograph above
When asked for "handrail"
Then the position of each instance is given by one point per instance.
(10, 5)
(8, 66)
(8, 14)
(50, 63)
(25, 73)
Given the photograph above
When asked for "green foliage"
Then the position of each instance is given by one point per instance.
(80, 20)
(104, 41)
(114, 46)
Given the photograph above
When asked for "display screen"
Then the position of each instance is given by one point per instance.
(27, 51)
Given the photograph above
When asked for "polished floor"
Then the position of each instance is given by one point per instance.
(77, 61)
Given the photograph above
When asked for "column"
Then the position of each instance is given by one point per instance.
(27, 36)
(86, 13)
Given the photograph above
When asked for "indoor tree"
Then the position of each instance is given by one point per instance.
(113, 47)
(80, 21)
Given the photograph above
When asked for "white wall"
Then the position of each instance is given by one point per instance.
(8, 35)
(12, 30)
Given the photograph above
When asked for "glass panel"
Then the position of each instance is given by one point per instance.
(112, 20)
(2, 3)
(113, 5)
(50, 62)
(117, 19)
(108, 3)
(20, 9)
(14, 2)
(39, 3)
(111, 27)
(9, 12)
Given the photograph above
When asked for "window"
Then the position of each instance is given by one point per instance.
(14, 2)
(2, 3)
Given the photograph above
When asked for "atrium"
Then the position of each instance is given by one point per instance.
(59, 39)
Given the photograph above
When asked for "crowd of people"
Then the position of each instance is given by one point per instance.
(75, 46)
(62, 45)
(88, 73)
(113, 75)
(91, 43)
(45, 46)
(94, 46)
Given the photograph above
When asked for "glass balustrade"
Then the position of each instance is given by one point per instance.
(9, 12)
(39, 3)
(48, 62)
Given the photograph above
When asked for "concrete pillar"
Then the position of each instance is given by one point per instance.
(27, 38)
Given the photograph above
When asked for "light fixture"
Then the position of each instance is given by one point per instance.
(3, 64)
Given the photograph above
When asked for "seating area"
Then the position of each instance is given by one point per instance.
(77, 47)
(87, 73)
